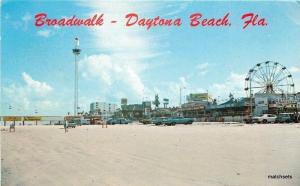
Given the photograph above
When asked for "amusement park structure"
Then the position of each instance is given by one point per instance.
(269, 88)
(269, 78)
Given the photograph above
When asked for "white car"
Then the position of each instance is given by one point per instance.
(265, 118)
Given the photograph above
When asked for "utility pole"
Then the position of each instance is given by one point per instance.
(76, 52)
(207, 95)
(251, 101)
(180, 90)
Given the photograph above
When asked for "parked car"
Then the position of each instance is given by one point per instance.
(248, 119)
(285, 118)
(84, 122)
(129, 120)
(178, 120)
(72, 124)
(145, 121)
(265, 118)
(158, 121)
(113, 121)
(75, 122)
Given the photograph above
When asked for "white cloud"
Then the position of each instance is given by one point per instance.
(32, 95)
(125, 49)
(17, 96)
(294, 69)
(293, 12)
(233, 84)
(27, 17)
(171, 90)
(41, 88)
(47, 105)
(176, 9)
(297, 84)
(98, 66)
(44, 33)
(110, 71)
(202, 68)
(183, 82)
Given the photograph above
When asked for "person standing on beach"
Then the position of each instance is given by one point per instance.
(66, 126)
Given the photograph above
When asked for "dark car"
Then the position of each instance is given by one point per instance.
(145, 121)
(158, 121)
(72, 124)
(117, 121)
(284, 118)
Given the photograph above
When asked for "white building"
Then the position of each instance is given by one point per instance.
(265, 102)
(106, 110)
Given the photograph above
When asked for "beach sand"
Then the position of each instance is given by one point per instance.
(146, 155)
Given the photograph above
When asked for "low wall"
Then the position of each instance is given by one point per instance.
(222, 119)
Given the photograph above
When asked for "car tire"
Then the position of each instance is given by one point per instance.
(264, 121)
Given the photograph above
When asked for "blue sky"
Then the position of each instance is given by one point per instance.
(37, 64)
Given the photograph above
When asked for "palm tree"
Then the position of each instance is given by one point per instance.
(156, 101)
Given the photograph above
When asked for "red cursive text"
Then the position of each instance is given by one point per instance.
(253, 20)
(195, 20)
(41, 19)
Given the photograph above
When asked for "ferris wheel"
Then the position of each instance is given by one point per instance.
(270, 78)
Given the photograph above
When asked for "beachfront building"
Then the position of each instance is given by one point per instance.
(276, 103)
(298, 101)
(198, 98)
(134, 111)
(231, 110)
(193, 109)
(196, 105)
(103, 109)
(166, 112)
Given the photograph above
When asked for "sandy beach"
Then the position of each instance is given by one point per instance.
(138, 155)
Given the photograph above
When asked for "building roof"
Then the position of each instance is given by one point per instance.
(240, 102)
